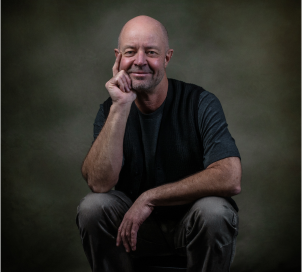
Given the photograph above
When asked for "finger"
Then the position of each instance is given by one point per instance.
(116, 66)
(129, 81)
(128, 234)
(124, 239)
(125, 82)
(121, 84)
(122, 77)
(119, 238)
(134, 231)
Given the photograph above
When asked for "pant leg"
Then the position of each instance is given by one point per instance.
(207, 235)
(98, 219)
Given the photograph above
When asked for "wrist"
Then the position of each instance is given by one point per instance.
(148, 197)
(123, 108)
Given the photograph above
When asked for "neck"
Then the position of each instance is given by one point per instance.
(151, 101)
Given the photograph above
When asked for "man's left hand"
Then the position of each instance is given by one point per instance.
(136, 215)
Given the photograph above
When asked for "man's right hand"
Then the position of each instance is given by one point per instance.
(119, 87)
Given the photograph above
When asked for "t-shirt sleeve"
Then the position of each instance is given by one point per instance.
(99, 124)
(217, 140)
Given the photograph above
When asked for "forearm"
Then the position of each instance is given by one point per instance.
(219, 179)
(103, 163)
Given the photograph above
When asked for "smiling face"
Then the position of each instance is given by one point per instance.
(145, 53)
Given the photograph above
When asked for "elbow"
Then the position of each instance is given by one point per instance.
(84, 171)
(98, 189)
(235, 188)
(98, 186)
(235, 177)
(96, 183)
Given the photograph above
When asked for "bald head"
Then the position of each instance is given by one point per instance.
(146, 23)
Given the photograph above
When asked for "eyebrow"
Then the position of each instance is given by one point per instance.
(147, 47)
(128, 46)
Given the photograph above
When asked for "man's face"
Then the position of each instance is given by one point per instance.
(143, 51)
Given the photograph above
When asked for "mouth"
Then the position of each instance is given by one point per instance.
(139, 73)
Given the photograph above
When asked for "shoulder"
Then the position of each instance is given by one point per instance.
(207, 98)
(179, 85)
(209, 108)
(204, 97)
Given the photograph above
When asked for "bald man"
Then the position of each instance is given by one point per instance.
(165, 147)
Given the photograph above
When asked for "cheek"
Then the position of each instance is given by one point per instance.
(125, 63)
(157, 64)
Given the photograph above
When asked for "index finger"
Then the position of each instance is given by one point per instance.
(116, 66)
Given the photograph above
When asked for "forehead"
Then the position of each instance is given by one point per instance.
(141, 35)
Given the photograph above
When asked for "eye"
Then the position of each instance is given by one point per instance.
(129, 53)
(151, 52)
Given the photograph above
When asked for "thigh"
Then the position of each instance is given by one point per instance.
(108, 209)
(215, 215)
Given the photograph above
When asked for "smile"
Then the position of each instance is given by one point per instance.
(139, 74)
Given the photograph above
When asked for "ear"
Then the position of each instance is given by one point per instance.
(116, 51)
(168, 57)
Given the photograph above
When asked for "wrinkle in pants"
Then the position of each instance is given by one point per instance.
(206, 233)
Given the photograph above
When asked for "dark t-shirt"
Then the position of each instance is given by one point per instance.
(217, 141)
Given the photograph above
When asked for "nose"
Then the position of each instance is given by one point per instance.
(140, 59)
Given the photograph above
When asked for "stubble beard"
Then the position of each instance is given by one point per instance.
(147, 86)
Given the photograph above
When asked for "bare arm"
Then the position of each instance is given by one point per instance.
(103, 162)
(221, 178)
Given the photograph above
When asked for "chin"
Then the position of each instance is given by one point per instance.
(141, 87)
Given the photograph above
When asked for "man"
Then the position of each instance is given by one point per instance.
(165, 146)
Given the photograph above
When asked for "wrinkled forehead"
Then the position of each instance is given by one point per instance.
(142, 35)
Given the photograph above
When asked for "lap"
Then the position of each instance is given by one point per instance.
(157, 235)
(108, 209)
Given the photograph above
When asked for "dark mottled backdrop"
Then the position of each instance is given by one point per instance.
(56, 58)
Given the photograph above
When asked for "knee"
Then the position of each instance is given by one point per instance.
(94, 208)
(214, 214)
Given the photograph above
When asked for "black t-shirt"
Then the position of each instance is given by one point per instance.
(217, 140)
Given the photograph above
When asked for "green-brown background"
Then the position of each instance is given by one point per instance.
(56, 58)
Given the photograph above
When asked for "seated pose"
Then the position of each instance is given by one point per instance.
(165, 147)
